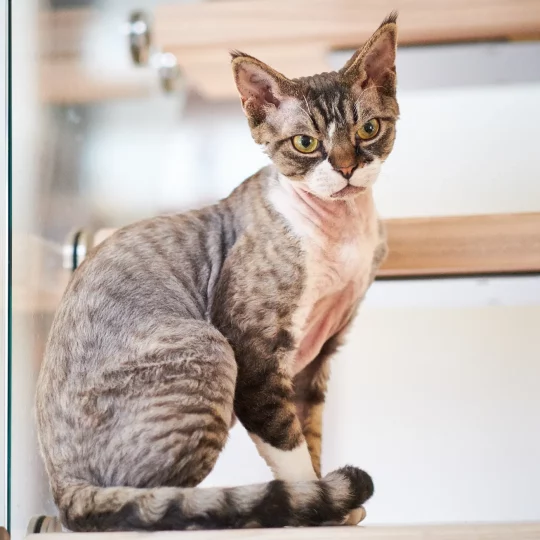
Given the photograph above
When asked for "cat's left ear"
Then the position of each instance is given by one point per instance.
(375, 63)
(261, 88)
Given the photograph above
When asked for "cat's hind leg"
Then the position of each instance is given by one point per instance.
(170, 410)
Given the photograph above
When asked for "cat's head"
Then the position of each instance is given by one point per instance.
(329, 132)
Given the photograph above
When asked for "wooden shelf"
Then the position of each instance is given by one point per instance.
(339, 23)
(463, 245)
(295, 37)
(421, 247)
(457, 245)
(71, 71)
(39, 279)
(445, 532)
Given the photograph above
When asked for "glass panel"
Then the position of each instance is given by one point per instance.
(79, 104)
(3, 263)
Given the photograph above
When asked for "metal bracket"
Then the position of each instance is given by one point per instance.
(142, 53)
(76, 248)
(140, 37)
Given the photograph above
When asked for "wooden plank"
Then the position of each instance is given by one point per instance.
(209, 70)
(503, 531)
(419, 247)
(456, 245)
(297, 37)
(39, 279)
(63, 33)
(69, 72)
(70, 81)
(340, 23)
(294, 36)
(463, 245)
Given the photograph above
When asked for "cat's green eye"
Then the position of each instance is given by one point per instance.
(369, 129)
(305, 143)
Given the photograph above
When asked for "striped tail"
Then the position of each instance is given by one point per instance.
(86, 508)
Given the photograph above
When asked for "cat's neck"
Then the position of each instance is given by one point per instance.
(310, 215)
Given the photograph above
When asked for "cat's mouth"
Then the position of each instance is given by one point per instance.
(348, 191)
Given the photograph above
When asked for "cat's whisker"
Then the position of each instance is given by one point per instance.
(307, 104)
(306, 114)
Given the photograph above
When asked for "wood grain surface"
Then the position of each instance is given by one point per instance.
(463, 245)
(296, 37)
(449, 532)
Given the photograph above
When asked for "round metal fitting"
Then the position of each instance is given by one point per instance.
(140, 37)
(168, 71)
(76, 248)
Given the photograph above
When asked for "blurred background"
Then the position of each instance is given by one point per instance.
(125, 109)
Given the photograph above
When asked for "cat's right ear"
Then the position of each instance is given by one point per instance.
(261, 88)
(374, 63)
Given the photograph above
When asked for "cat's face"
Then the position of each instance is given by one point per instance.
(330, 132)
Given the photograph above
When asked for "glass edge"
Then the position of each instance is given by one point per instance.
(5, 273)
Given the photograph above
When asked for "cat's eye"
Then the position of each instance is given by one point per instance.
(305, 143)
(369, 129)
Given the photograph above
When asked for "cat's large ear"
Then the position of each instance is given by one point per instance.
(374, 63)
(262, 89)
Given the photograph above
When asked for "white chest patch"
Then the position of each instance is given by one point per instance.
(339, 239)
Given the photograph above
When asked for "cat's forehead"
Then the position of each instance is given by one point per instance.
(323, 87)
(319, 84)
(327, 99)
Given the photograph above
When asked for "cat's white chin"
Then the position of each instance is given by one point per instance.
(325, 183)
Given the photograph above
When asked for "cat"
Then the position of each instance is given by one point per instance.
(174, 326)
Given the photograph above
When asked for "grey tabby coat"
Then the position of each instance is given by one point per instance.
(177, 324)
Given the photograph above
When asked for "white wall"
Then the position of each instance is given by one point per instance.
(442, 407)
(464, 151)
(458, 151)
(439, 404)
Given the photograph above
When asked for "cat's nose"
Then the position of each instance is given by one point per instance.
(346, 172)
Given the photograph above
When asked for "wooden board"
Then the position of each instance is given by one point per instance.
(339, 23)
(456, 245)
(39, 277)
(296, 37)
(515, 531)
(421, 247)
(308, 30)
(463, 245)
(71, 72)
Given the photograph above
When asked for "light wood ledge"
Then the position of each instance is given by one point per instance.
(463, 245)
(420, 247)
(456, 245)
(296, 37)
(443, 532)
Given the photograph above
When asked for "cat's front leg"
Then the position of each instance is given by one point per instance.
(310, 387)
(254, 301)
(264, 403)
(310, 391)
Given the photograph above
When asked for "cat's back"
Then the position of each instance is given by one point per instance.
(137, 285)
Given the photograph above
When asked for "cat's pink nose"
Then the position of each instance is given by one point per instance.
(347, 172)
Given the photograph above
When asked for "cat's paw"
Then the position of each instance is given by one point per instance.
(355, 517)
